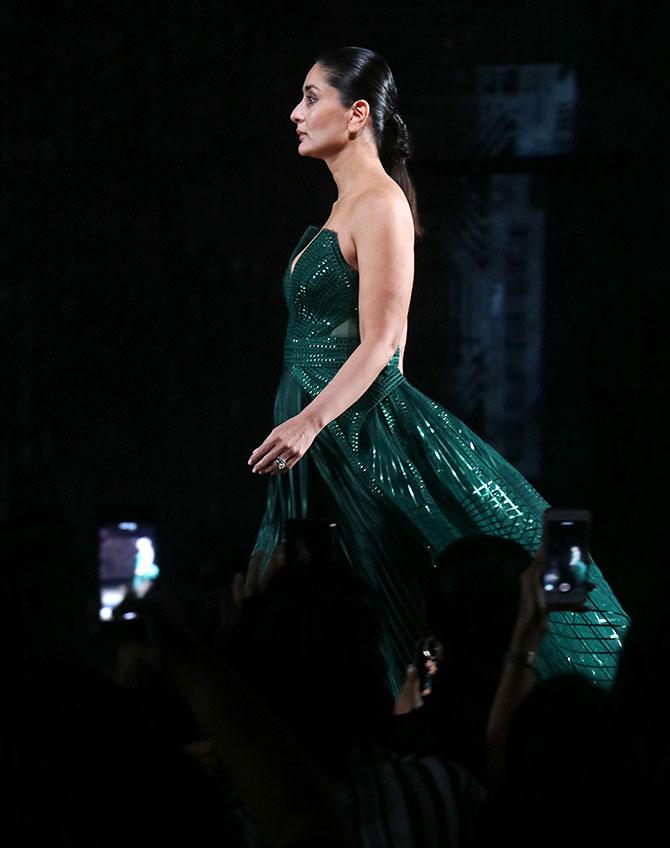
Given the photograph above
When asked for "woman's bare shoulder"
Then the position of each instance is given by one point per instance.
(385, 197)
(383, 202)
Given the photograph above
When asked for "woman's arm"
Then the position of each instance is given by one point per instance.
(403, 342)
(383, 233)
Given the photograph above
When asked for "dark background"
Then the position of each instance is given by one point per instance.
(152, 195)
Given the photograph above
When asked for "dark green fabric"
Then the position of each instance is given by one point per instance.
(404, 477)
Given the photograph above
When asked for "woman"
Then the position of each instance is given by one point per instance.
(354, 441)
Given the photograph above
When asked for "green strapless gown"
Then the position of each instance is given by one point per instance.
(404, 477)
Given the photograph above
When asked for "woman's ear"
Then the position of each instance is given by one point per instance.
(359, 115)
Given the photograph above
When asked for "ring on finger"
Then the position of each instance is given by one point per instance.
(280, 462)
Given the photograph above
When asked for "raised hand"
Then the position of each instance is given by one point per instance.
(531, 622)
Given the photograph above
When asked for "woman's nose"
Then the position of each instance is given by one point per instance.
(296, 115)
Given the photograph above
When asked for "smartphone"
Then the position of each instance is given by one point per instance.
(429, 655)
(567, 535)
(127, 563)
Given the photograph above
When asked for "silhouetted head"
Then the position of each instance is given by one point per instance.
(309, 643)
(473, 596)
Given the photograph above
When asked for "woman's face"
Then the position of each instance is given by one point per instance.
(321, 120)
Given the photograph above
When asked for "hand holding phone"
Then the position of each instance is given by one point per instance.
(427, 663)
(565, 577)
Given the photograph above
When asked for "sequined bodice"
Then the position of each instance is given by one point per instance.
(322, 298)
(322, 291)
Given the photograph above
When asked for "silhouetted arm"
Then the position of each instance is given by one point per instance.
(518, 673)
(288, 795)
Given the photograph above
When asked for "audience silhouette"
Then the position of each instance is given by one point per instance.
(264, 718)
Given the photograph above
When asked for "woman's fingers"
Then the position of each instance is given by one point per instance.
(262, 452)
(274, 468)
(267, 463)
(288, 441)
(262, 459)
(258, 452)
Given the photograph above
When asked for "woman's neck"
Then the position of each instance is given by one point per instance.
(355, 167)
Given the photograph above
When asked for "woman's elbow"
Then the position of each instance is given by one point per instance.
(381, 349)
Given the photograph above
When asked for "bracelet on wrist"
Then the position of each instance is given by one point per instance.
(526, 658)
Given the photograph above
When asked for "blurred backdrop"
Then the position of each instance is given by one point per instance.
(152, 194)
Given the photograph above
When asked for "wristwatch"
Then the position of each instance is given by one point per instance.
(527, 658)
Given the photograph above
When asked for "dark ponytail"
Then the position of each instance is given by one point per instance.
(361, 74)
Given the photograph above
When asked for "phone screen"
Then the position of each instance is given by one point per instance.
(566, 540)
(127, 563)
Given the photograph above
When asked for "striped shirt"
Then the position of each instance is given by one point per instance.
(426, 801)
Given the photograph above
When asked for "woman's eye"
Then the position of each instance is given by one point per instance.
(310, 98)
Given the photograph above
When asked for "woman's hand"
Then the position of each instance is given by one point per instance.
(289, 441)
